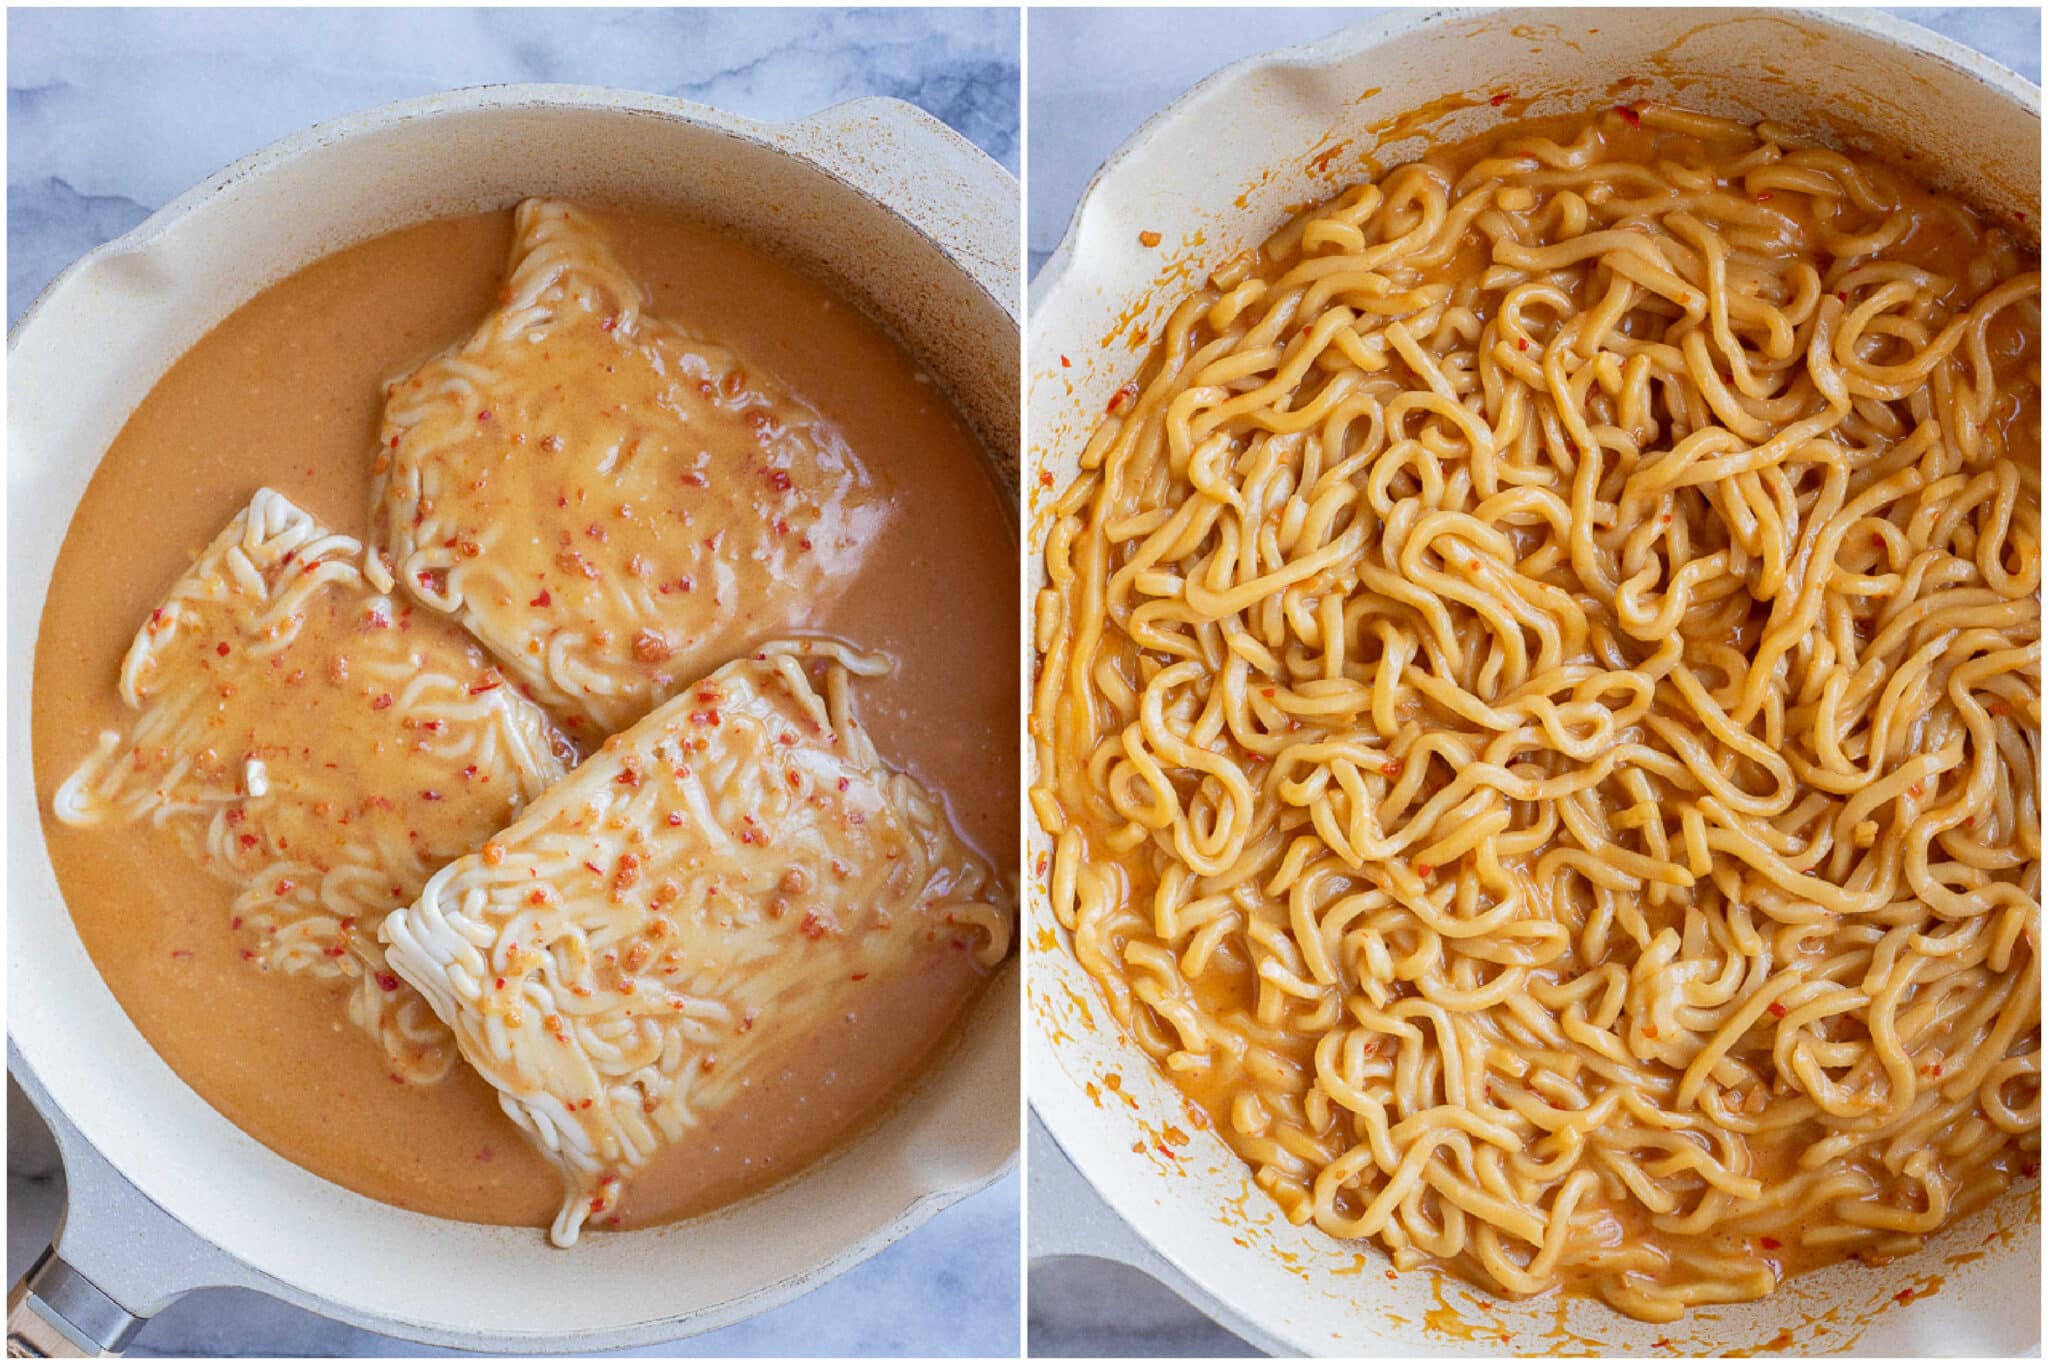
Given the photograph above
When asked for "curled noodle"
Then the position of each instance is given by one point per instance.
(1539, 706)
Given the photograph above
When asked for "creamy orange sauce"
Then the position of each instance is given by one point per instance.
(288, 392)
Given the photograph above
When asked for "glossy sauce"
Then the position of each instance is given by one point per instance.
(288, 392)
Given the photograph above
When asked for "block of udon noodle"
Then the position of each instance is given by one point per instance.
(732, 873)
(320, 747)
(612, 505)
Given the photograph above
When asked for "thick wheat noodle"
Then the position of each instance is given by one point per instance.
(1539, 710)
(781, 862)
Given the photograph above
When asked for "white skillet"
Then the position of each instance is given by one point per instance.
(1216, 172)
(904, 217)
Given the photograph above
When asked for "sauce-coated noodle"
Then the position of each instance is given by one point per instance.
(303, 739)
(737, 874)
(1539, 709)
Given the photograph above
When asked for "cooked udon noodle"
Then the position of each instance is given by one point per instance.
(1539, 709)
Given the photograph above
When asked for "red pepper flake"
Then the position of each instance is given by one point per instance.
(501, 983)
(1498, 100)
(1066, 364)
(1763, 196)
(778, 480)
(491, 685)
(1770, 1243)
(221, 649)
(387, 981)
(1122, 398)
(859, 976)
(1776, 1010)
(484, 416)
(248, 841)
(1424, 870)
(842, 784)
(675, 817)
(283, 888)
(1629, 116)
(430, 795)
(1521, 343)
(609, 324)
(1904, 1296)
(704, 717)
(381, 702)
(336, 951)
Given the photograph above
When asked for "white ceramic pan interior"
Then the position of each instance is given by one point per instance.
(905, 218)
(1218, 172)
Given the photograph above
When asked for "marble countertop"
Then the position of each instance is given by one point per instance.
(1096, 75)
(112, 113)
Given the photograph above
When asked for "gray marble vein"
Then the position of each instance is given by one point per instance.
(114, 112)
(1096, 76)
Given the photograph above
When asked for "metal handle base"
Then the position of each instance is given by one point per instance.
(55, 1312)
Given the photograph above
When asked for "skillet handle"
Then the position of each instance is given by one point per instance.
(56, 1312)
